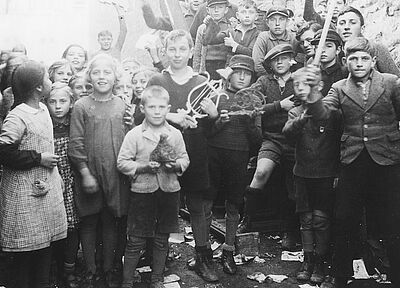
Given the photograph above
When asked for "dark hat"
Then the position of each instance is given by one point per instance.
(213, 2)
(331, 36)
(280, 10)
(278, 50)
(241, 62)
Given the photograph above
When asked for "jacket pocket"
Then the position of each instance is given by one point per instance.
(344, 138)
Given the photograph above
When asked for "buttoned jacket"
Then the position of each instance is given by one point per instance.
(372, 124)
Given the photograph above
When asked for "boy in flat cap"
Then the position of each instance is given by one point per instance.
(206, 56)
(229, 151)
(277, 21)
(331, 68)
(277, 86)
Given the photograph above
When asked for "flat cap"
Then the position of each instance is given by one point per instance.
(214, 2)
(331, 36)
(279, 10)
(278, 50)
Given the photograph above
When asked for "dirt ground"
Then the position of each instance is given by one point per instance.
(189, 279)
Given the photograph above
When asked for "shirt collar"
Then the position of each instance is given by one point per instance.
(147, 127)
(189, 73)
(285, 78)
(284, 38)
(26, 108)
(331, 69)
(239, 27)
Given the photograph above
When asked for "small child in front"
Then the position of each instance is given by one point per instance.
(315, 169)
(154, 198)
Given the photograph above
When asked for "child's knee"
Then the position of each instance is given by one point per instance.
(306, 221)
(320, 221)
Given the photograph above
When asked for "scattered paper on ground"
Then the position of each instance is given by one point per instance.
(241, 259)
(171, 278)
(176, 238)
(215, 246)
(257, 276)
(143, 269)
(307, 286)
(360, 272)
(258, 260)
(191, 243)
(292, 256)
(172, 285)
(277, 278)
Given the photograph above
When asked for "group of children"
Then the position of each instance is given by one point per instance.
(78, 146)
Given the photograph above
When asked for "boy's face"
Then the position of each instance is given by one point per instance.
(102, 76)
(349, 26)
(240, 78)
(329, 52)
(105, 42)
(178, 53)
(305, 40)
(139, 82)
(338, 7)
(63, 74)
(277, 24)
(281, 64)
(217, 11)
(155, 111)
(81, 88)
(59, 105)
(124, 87)
(246, 16)
(301, 87)
(194, 4)
(360, 64)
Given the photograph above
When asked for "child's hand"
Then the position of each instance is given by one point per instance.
(172, 167)
(208, 106)
(287, 103)
(228, 41)
(49, 160)
(207, 19)
(128, 115)
(224, 116)
(313, 75)
(234, 22)
(152, 167)
(89, 183)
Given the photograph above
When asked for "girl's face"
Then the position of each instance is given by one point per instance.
(139, 82)
(76, 56)
(59, 105)
(63, 74)
(81, 88)
(130, 67)
(102, 76)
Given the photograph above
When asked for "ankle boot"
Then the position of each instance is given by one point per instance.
(306, 268)
(244, 225)
(318, 273)
(203, 268)
(228, 263)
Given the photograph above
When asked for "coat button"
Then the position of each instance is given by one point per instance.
(365, 126)
(365, 139)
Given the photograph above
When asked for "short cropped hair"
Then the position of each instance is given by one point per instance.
(349, 9)
(179, 33)
(246, 4)
(359, 44)
(58, 64)
(60, 88)
(154, 91)
(104, 33)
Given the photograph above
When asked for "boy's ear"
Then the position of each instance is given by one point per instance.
(320, 85)
(237, 15)
(226, 9)
(39, 88)
(141, 108)
(344, 61)
(374, 61)
(168, 108)
(362, 29)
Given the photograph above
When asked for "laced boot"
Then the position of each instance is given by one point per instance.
(203, 269)
(228, 263)
(306, 268)
(318, 273)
